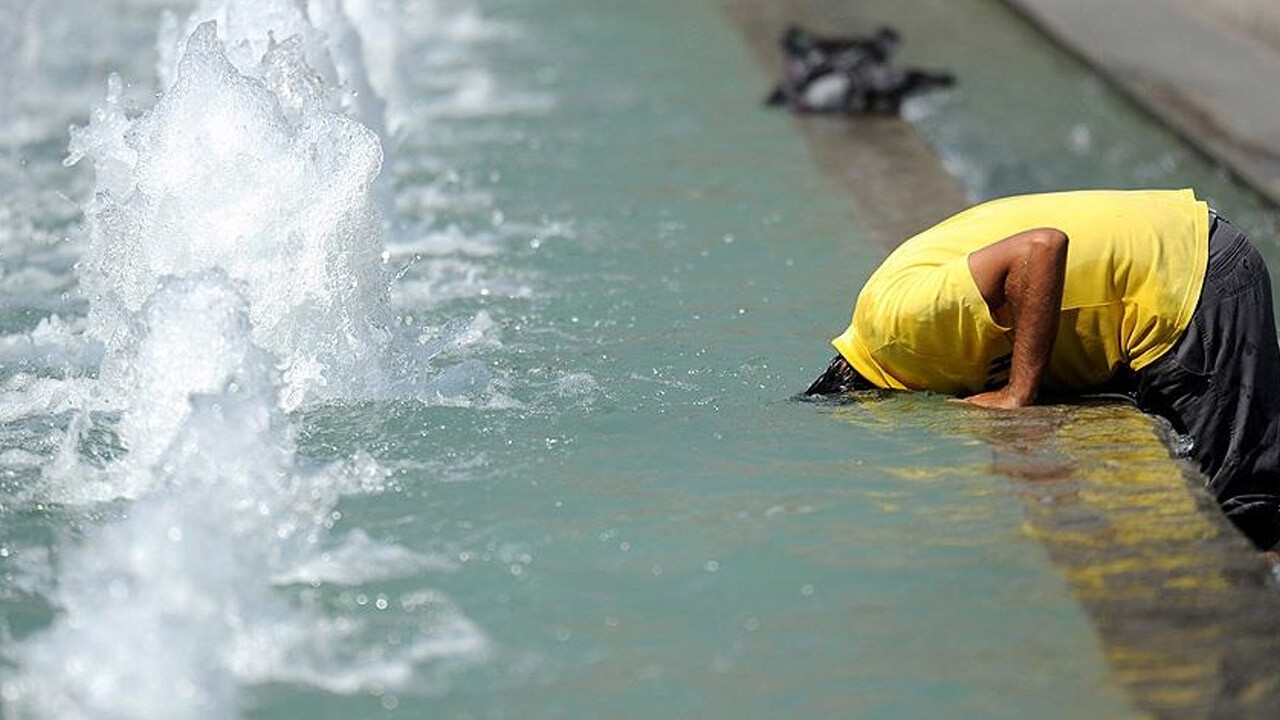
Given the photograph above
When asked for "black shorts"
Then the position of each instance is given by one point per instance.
(1220, 385)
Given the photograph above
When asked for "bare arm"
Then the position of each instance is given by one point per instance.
(1021, 278)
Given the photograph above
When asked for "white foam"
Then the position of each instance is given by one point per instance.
(177, 576)
(216, 175)
(17, 457)
(328, 654)
(461, 87)
(577, 385)
(451, 278)
(327, 44)
(424, 201)
(477, 94)
(27, 395)
(466, 25)
(378, 21)
(192, 337)
(54, 347)
(24, 37)
(452, 240)
(169, 612)
(358, 559)
(232, 274)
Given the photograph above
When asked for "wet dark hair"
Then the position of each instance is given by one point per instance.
(839, 377)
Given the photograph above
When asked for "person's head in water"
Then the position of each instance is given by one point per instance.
(839, 377)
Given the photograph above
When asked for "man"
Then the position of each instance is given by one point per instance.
(1146, 292)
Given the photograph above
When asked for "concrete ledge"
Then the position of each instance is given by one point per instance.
(1202, 74)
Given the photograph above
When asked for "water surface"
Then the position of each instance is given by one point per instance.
(596, 495)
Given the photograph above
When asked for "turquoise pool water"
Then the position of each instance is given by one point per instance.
(586, 488)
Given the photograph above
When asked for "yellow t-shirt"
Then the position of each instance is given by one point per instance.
(1135, 265)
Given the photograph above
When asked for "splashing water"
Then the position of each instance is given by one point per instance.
(321, 34)
(141, 576)
(232, 273)
(187, 578)
(219, 174)
(192, 337)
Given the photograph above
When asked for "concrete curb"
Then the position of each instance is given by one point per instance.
(1215, 84)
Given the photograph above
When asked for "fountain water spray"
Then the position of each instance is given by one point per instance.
(233, 272)
(222, 173)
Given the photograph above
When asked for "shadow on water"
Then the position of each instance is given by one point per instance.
(1187, 614)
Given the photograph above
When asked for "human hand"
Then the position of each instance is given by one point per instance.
(1002, 399)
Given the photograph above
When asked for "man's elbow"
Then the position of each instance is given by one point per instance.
(1047, 241)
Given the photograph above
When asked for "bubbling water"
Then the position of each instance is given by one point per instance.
(166, 613)
(324, 37)
(192, 337)
(233, 272)
(221, 174)
(180, 569)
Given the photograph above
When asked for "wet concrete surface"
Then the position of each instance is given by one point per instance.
(1198, 70)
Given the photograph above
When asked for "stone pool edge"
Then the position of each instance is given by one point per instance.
(1195, 68)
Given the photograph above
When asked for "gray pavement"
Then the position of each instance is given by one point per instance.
(1199, 69)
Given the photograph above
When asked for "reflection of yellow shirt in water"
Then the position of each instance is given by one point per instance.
(1135, 264)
